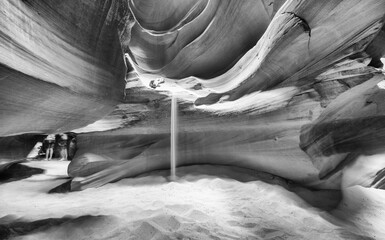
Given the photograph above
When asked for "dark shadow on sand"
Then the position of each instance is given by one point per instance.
(62, 188)
(17, 172)
(19, 228)
(11, 228)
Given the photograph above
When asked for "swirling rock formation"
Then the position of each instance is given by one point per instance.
(301, 42)
(290, 49)
(285, 87)
(183, 38)
(304, 57)
(61, 64)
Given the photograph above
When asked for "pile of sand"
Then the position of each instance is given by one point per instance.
(199, 205)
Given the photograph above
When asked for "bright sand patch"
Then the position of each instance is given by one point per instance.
(197, 206)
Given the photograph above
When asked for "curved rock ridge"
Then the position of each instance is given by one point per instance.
(277, 86)
(305, 64)
(61, 64)
(352, 123)
(303, 39)
(200, 39)
(263, 139)
(165, 15)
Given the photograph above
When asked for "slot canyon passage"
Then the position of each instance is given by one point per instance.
(273, 112)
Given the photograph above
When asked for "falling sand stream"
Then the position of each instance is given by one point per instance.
(174, 125)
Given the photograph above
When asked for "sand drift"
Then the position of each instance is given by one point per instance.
(205, 203)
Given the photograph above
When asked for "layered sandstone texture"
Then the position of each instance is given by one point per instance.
(61, 63)
(293, 88)
(295, 97)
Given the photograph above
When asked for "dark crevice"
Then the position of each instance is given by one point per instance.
(379, 180)
(304, 24)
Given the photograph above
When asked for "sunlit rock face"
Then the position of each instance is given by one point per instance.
(266, 143)
(301, 41)
(288, 100)
(61, 63)
(285, 87)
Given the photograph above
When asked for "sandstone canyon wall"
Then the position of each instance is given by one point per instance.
(285, 87)
(61, 63)
(265, 108)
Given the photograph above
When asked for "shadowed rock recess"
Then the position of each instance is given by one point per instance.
(293, 88)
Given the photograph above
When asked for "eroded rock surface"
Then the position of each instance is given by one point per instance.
(61, 64)
(199, 39)
(264, 112)
(285, 87)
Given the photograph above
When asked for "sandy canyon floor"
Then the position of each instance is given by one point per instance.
(230, 204)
